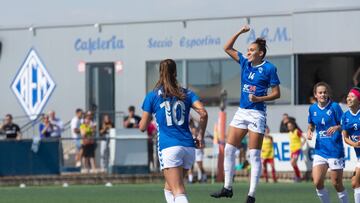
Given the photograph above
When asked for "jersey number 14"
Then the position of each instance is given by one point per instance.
(172, 115)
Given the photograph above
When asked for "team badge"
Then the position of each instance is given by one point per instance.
(329, 112)
(260, 70)
(33, 85)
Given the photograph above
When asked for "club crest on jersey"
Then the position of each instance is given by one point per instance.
(261, 70)
(249, 88)
(329, 112)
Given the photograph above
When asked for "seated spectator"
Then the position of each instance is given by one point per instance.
(57, 124)
(132, 120)
(46, 128)
(10, 129)
(106, 125)
(88, 144)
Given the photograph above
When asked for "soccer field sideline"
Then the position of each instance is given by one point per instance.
(152, 193)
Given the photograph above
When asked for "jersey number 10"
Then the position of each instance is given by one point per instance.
(173, 113)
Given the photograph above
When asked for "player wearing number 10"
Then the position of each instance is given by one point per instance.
(171, 105)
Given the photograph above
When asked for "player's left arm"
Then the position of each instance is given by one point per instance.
(199, 108)
(275, 94)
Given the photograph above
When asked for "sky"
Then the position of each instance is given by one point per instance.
(19, 13)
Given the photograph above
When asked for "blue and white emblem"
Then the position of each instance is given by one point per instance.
(33, 85)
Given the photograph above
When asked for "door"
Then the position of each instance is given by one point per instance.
(100, 90)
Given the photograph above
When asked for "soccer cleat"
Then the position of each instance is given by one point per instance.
(223, 193)
(250, 199)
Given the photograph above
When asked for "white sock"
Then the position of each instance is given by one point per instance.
(181, 198)
(323, 195)
(229, 165)
(169, 196)
(343, 196)
(357, 195)
(190, 178)
(255, 162)
(199, 175)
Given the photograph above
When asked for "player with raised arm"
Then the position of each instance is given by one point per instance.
(350, 123)
(324, 117)
(257, 75)
(171, 106)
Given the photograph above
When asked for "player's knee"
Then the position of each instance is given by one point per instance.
(318, 184)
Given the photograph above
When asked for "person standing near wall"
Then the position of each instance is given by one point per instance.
(131, 120)
(10, 129)
(171, 105)
(75, 133)
(106, 125)
(350, 123)
(57, 124)
(324, 117)
(257, 75)
(88, 144)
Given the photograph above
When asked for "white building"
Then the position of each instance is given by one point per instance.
(106, 55)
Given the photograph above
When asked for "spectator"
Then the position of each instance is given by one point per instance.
(75, 132)
(106, 125)
(57, 124)
(283, 125)
(88, 144)
(151, 132)
(46, 128)
(10, 129)
(132, 120)
(92, 119)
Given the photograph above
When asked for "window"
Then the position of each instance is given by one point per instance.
(207, 78)
(152, 74)
(335, 69)
(284, 67)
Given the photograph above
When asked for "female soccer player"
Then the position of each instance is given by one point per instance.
(257, 75)
(171, 105)
(296, 143)
(324, 117)
(350, 123)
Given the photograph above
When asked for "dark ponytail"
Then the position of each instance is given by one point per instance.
(261, 42)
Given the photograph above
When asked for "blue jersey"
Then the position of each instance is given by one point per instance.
(351, 124)
(256, 80)
(172, 117)
(327, 146)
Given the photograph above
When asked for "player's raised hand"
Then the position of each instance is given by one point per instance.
(245, 29)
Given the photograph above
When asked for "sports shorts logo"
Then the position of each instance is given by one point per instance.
(33, 85)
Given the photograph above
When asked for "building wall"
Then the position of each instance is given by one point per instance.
(63, 48)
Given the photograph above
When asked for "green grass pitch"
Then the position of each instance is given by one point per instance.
(153, 193)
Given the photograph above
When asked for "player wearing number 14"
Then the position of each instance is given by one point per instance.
(171, 106)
